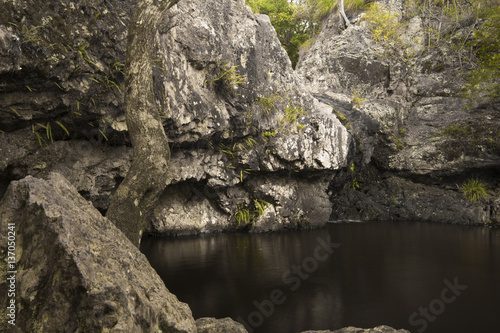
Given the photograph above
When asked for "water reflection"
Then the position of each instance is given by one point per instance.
(380, 274)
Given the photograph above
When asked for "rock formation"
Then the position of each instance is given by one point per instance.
(234, 112)
(417, 139)
(251, 147)
(76, 271)
(211, 325)
(61, 93)
(239, 119)
(378, 329)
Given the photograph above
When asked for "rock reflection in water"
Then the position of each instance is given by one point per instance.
(380, 274)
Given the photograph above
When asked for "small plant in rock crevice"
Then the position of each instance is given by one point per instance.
(227, 78)
(356, 99)
(354, 182)
(473, 190)
(47, 132)
(245, 215)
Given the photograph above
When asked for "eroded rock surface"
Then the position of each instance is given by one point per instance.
(226, 325)
(350, 329)
(238, 116)
(406, 109)
(232, 107)
(76, 270)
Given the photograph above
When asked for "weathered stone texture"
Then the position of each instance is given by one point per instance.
(409, 118)
(351, 329)
(64, 66)
(76, 270)
(226, 325)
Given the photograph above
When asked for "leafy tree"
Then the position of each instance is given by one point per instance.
(484, 81)
(291, 30)
(298, 21)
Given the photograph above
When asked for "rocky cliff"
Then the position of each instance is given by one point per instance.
(418, 140)
(351, 135)
(250, 146)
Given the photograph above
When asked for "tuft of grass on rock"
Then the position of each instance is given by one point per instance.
(474, 190)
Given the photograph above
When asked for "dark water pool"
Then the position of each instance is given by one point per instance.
(418, 276)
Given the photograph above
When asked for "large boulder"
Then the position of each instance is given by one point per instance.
(75, 270)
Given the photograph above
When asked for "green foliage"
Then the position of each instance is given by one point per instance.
(483, 82)
(28, 35)
(292, 112)
(291, 30)
(456, 130)
(470, 31)
(322, 8)
(474, 190)
(227, 78)
(355, 4)
(245, 215)
(269, 134)
(47, 132)
(384, 25)
(354, 182)
(399, 144)
(297, 22)
(268, 104)
(341, 117)
(356, 100)
(260, 206)
(15, 111)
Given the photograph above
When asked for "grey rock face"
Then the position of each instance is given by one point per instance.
(94, 170)
(226, 325)
(232, 106)
(76, 270)
(409, 120)
(62, 61)
(350, 329)
(345, 63)
(398, 199)
(255, 125)
(61, 78)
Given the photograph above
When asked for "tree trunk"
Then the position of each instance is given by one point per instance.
(342, 13)
(146, 178)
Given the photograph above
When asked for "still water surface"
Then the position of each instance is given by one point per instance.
(417, 276)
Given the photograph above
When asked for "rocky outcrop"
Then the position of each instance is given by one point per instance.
(94, 170)
(399, 199)
(403, 103)
(239, 118)
(76, 270)
(226, 325)
(350, 329)
(61, 81)
(233, 109)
